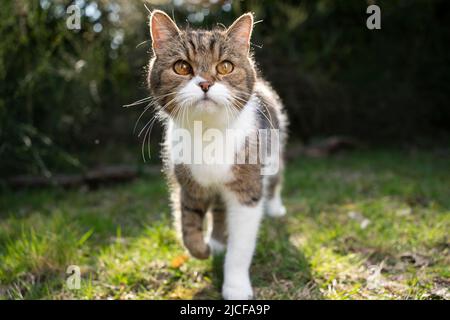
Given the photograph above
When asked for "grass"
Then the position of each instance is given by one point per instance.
(366, 225)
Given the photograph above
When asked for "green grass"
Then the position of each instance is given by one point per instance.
(367, 225)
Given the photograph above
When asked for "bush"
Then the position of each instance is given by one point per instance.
(61, 90)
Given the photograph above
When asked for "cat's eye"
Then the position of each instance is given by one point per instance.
(225, 67)
(182, 67)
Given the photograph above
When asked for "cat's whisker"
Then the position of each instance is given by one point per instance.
(146, 99)
(228, 117)
(260, 111)
(142, 43)
(152, 103)
(185, 112)
(140, 116)
(233, 108)
(234, 112)
(267, 110)
(149, 11)
(145, 126)
(149, 125)
(148, 141)
(138, 102)
(143, 146)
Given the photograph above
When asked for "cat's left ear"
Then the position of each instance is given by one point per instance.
(162, 30)
(241, 29)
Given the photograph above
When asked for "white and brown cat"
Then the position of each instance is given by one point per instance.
(209, 77)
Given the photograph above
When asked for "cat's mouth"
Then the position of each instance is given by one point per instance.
(206, 104)
(207, 98)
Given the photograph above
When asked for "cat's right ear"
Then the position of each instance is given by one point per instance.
(241, 30)
(162, 30)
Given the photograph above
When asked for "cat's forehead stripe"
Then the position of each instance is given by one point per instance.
(202, 42)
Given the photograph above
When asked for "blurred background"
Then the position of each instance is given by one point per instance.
(62, 91)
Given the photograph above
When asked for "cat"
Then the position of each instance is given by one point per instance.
(209, 77)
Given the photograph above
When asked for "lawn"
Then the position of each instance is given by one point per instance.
(360, 225)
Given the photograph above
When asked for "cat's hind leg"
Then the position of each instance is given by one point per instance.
(218, 237)
(274, 205)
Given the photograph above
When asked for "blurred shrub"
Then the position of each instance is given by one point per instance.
(58, 86)
(338, 77)
(61, 90)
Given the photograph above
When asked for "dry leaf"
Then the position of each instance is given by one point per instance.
(178, 261)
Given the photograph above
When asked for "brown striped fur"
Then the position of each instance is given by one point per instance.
(203, 49)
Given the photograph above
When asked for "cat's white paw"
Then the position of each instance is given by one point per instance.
(216, 247)
(242, 291)
(275, 208)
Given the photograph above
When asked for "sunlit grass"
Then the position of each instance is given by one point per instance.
(370, 225)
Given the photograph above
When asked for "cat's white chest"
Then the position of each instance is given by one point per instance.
(189, 148)
(206, 169)
(211, 175)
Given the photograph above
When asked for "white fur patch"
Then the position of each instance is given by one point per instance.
(201, 103)
(274, 207)
(243, 224)
(216, 246)
(212, 172)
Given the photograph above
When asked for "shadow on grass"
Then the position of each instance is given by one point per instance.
(279, 270)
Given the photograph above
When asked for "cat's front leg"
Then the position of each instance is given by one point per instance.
(243, 223)
(193, 211)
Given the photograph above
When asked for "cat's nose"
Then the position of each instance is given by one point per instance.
(205, 85)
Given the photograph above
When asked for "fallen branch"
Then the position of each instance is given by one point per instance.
(326, 147)
(92, 178)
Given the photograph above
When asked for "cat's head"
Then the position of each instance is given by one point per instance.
(202, 71)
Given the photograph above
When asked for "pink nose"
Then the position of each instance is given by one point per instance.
(205, 85)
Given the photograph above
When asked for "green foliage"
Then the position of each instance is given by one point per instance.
(338, 77)
(61, 90)
(57, 82)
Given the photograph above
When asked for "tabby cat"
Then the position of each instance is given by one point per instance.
(209, 78)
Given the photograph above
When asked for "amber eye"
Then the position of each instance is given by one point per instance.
(225, 67)
(182, 67)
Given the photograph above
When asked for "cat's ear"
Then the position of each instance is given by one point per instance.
(162, 29)
(241, 29)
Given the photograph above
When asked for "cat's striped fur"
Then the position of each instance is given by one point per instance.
(235, 194)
